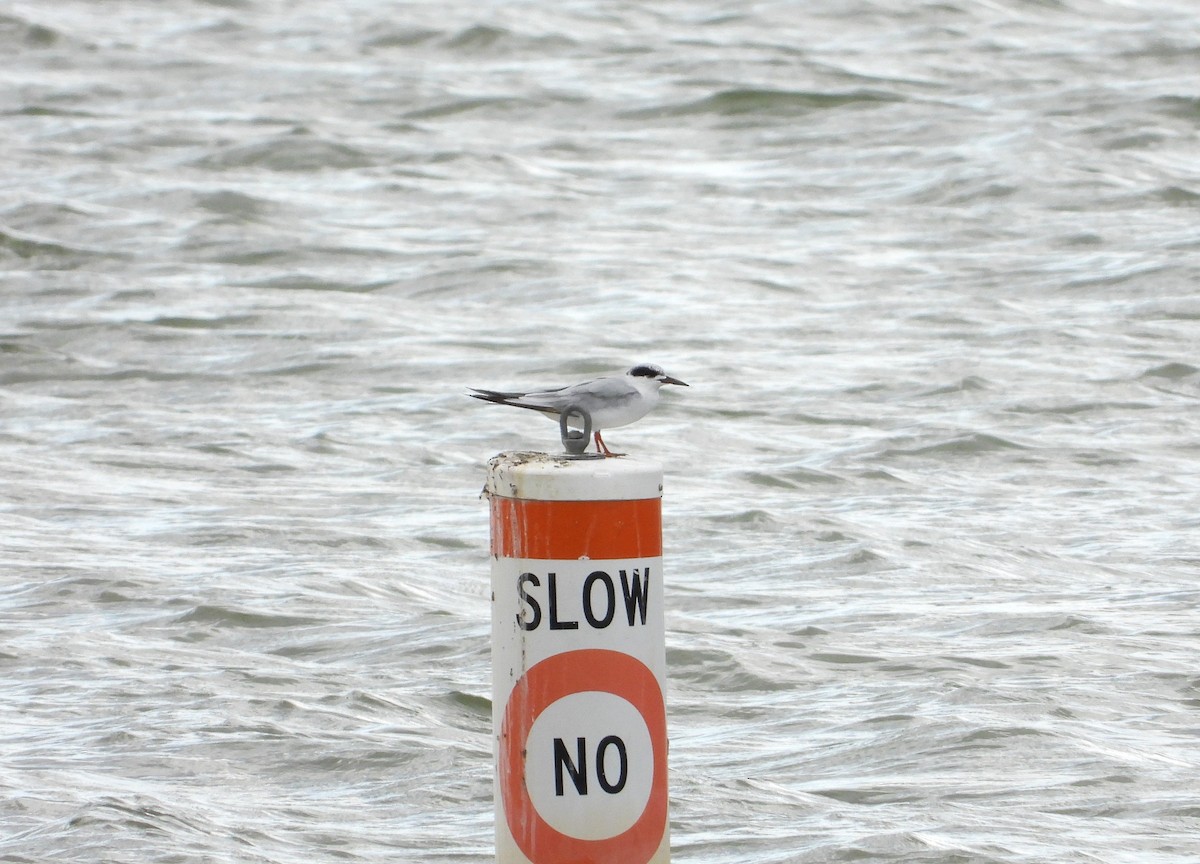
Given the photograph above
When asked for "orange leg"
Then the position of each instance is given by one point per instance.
(601, 447)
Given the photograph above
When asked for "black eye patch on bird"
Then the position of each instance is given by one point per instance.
(646, 371)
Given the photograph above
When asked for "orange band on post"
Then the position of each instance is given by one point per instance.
(570, 530)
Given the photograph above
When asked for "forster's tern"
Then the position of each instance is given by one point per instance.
(617, 400)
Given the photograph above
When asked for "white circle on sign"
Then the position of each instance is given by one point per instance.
(589, 765)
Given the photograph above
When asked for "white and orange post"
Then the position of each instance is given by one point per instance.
(578, 660)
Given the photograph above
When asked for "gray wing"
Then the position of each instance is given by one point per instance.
(597, 394)
(608, 388)
(609, 392)
(501, 397)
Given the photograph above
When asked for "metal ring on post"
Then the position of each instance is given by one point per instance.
(574, 441)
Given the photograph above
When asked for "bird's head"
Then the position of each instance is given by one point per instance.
(650, 372)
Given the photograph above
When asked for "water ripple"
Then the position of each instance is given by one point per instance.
(931, 500)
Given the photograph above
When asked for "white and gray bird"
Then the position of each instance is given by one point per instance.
(616, 400)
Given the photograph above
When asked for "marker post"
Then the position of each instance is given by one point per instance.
(578, 660)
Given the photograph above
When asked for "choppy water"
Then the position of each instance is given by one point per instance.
(932, 500)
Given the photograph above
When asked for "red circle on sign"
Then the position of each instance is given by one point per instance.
(591, 669)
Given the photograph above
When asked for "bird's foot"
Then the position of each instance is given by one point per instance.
(601, 447)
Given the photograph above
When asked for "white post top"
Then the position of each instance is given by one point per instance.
(546, 477)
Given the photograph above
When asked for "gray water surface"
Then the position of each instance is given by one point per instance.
(931, 509)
